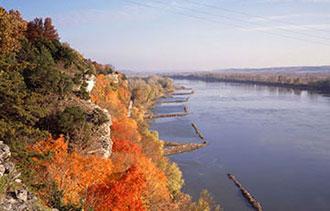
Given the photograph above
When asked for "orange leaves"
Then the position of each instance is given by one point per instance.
(123, 194)
(110, 95)
(130, 180)
(125, 129)
(124, 94)
(156, 191)
(72, 172)
(126, 147)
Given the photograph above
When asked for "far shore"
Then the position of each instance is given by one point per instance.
(316, 86)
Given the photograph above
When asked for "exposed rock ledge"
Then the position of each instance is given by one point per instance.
(100, 143)
(103, 146)
(14, 196)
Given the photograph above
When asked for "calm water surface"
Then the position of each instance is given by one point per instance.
(275, 140)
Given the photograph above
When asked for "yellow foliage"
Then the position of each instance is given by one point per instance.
(73, 173)
(109, 96)
(12, 28)
(125, 129)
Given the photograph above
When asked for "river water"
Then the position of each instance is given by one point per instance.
(276, 141)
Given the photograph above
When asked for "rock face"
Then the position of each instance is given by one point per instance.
(14, 195)
(103, 145)
(90, 83)
(100, 143)
(130, 106)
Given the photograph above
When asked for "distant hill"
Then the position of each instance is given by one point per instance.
(295, 69)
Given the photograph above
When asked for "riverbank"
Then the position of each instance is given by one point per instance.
(273, 140)
(174, 148)
(313, 82)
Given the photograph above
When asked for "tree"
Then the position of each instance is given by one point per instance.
(49, 30)
(41, 30)
(125, 129)
(124, 194)
(73, 173)
(47, 80)
(107, 95)
(12, 28)
(16, 102)
(34, 29)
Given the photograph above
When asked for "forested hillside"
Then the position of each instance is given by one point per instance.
(76, 129)
(317, 79)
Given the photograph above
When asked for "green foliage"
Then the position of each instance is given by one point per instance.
(56, 200)
(16, 102)
(40, 29)
(146, 91)
(48, 80)
(323, 85)
(204, 203)
(174, 176)
(4, 183)
(12, 28)
(82, 92)
(97, 117)
(103, 69)
(70, 119)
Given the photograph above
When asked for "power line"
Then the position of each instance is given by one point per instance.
(219, 22)
(253, 16)
(241, 20)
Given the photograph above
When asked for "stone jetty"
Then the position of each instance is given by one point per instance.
(171, 148)
(184, 93)
(249, 197)
(175, 101)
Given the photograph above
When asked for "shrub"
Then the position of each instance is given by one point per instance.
(204, 203)
(12, 28)
(72, 173)
(70, 119)
(97, 117)
(323, 85)
(48, 80)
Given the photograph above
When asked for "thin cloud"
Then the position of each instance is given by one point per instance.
(289, 17)
(90, 16)
(300, 1)
(305, 27)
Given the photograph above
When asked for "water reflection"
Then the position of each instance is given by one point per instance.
(275, 139)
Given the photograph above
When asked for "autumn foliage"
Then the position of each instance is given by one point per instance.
(125, 129)
(111, 94)
(123, 194)
(41, 29)
(43, 93)
(73, 173)
(130, 180)
(12, 28)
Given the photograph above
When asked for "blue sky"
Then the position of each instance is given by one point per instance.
(152, 35)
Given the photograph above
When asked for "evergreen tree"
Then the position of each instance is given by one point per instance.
(49, 30)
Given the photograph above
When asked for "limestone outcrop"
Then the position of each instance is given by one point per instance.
(14, 195)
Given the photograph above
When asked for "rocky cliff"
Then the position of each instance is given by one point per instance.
(14, 194)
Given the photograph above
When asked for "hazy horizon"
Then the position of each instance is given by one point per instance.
(153, 35)
(229, 68)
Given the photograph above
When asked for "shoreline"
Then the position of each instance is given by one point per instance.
(302, 87)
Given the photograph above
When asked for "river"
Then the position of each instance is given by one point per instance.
(276, 141)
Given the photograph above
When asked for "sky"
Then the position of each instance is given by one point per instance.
(187, 35)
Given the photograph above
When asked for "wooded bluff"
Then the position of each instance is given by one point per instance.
(75, 143)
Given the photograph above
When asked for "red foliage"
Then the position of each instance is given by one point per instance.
(123, 194)
(73, 173)
(125, 129)
(39, 29)
(111, 95)
(125, 146)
